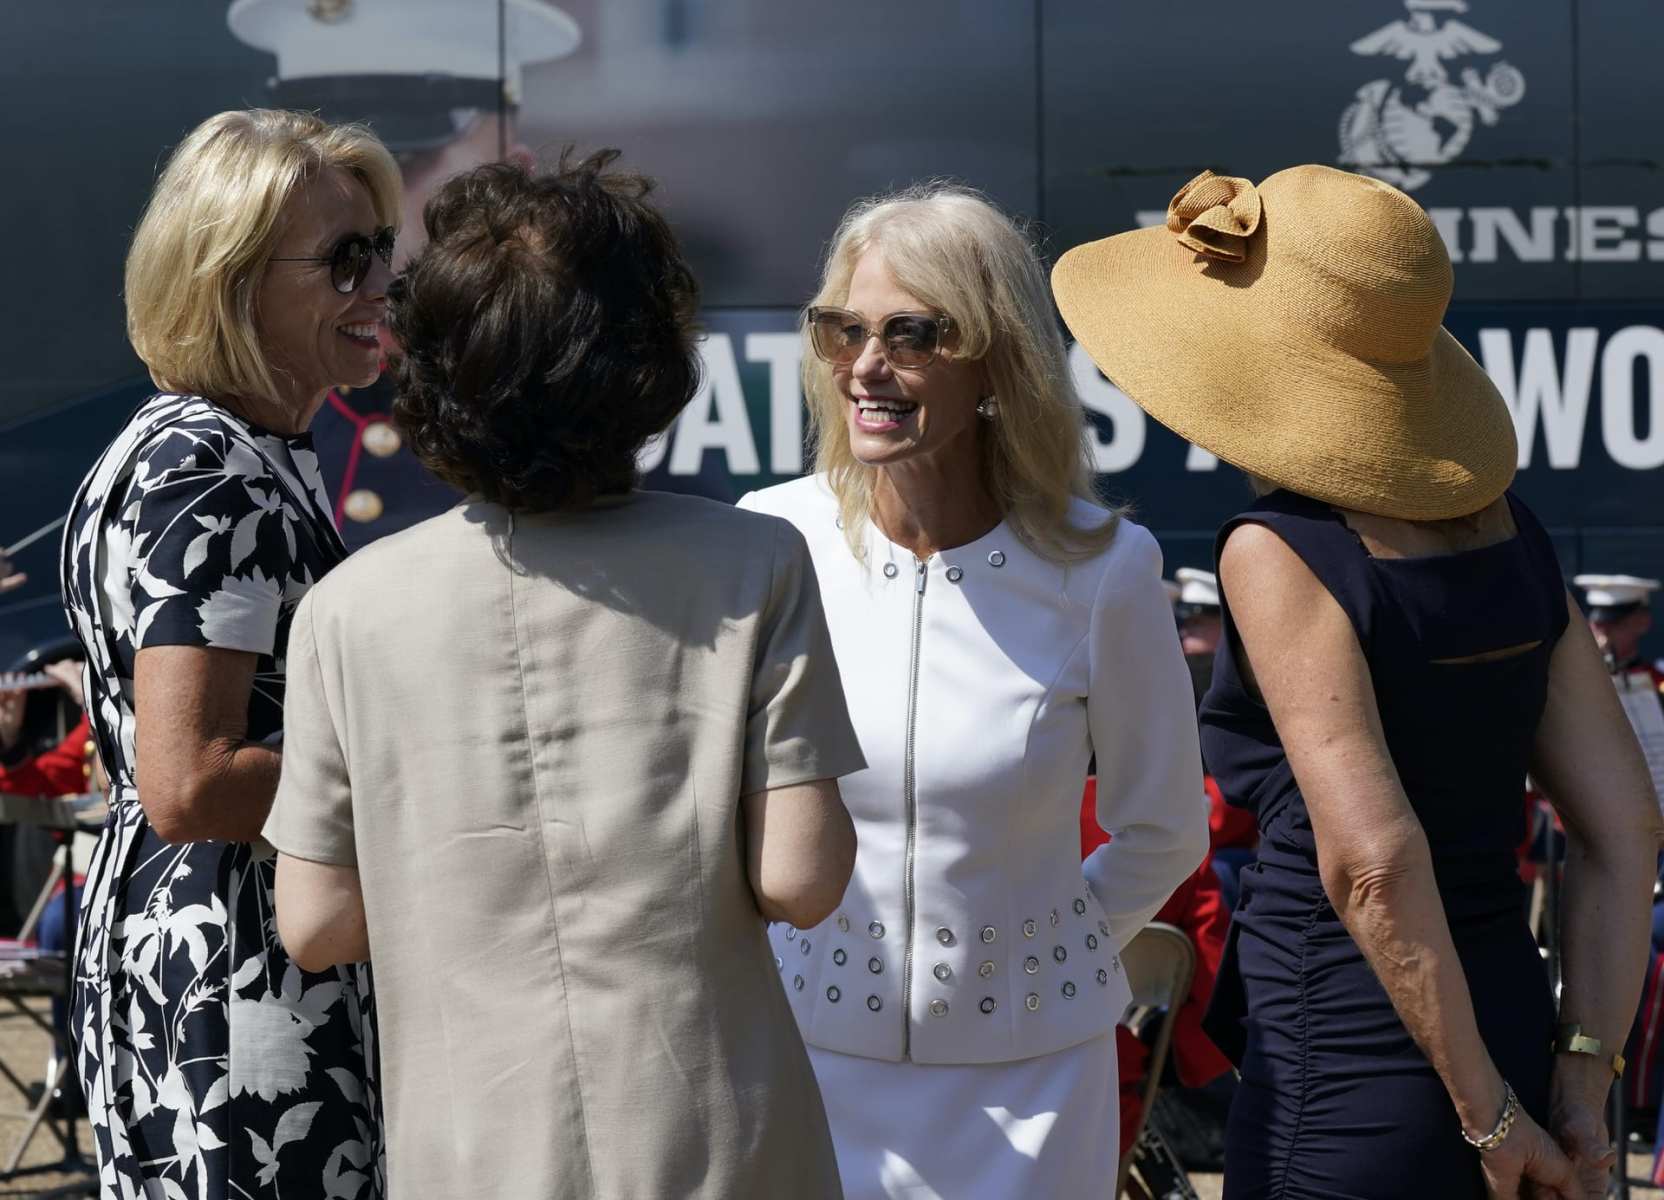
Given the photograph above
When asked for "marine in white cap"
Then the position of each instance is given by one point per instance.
(439, 82)
(1619, 610)
(1195, 597)
(1197, 611)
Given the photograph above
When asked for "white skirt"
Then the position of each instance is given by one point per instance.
(1039, 1127)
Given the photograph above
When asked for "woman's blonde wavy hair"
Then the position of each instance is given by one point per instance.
(199, 253)
(952, 248)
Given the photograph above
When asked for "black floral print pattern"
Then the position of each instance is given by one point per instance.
(213, 1066)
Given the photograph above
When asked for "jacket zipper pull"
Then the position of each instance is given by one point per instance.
(923, 573)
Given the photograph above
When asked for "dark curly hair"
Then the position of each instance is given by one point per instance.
(548, 330)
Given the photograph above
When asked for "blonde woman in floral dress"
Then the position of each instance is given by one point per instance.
(213, 1065)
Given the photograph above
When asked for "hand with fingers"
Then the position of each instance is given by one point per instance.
(67, 672)
(10, 578)
(1581, 1131)
(1527, 1165)
(1577, 1118)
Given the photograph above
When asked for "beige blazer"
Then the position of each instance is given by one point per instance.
(531, 734)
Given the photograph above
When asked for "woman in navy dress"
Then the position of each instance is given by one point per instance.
(1399, 652)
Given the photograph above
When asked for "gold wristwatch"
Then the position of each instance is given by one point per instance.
(1570, 1039)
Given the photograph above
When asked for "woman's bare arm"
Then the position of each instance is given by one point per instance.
(1586, 760)
(800, 851)
(199, 779)
(320, 913)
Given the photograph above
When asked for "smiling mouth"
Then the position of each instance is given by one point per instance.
(361, 334)
(874, 412)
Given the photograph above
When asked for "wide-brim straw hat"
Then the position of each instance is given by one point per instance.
(1293, 330)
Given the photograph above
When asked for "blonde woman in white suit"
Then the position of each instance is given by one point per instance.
(996, 627)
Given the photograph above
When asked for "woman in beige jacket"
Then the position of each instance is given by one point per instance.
(553, 756)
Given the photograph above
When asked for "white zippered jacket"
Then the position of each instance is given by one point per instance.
(980, 682)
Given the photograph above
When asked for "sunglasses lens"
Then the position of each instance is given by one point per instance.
(911, 341)
(349, 263)
(837, 336)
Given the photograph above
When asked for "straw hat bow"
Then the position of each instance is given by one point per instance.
(1215, 215)
(1293, 329)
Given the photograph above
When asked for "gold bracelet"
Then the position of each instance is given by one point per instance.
(1495, 1138)
(1570, 1039)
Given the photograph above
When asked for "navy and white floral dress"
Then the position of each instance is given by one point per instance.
(214, 1067)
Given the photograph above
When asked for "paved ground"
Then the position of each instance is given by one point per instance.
(24, 1048)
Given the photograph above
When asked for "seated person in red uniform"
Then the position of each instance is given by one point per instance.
(38, 759)
(61, 770)
(67, 768)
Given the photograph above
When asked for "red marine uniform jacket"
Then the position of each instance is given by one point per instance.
(60, 771)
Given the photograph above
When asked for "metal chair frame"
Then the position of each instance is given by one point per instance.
(48, 976)
(1160, 963)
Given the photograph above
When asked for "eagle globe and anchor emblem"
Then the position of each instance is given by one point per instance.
(1395, 131)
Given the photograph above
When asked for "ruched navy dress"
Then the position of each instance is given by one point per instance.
(1337, 1101)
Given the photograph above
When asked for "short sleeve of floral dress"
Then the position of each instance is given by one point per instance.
(211, 1063)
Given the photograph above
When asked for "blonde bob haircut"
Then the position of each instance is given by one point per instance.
(199, 254)
(960, 256)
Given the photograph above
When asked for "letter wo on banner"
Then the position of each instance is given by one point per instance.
(1552, 389)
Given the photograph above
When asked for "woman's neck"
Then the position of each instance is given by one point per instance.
(1387, 537)
(287, 415)
(926, 506)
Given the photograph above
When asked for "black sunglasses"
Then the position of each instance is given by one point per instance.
(909, 340)
(349, 262)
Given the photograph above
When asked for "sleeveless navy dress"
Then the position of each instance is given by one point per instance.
(1336, 1101)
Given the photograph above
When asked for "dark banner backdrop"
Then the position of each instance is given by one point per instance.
(1530, 132)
